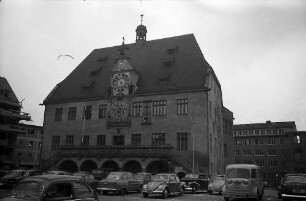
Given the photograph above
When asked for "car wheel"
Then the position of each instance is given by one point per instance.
(210, 192)
(226, 198)
(286, 199)
(105, 192)
(145, 195)
(165, 193)
(194, 189)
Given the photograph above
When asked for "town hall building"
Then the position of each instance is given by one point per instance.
(153, 106)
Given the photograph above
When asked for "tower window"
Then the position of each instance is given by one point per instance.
(158, 138)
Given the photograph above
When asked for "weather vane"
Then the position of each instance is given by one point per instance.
(141, 16)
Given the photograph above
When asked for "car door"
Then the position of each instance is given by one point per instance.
(203, 180)
(82, 192)
(133, 184)
(59, 191)
(174, 184)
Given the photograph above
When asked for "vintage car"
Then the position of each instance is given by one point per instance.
(195, 182)
(216, 185)
(293, 186)
(52, 188)
(88, 178)
(119, 182)
(58, 172)
(143, 177)
(101, 173)
(163, 184)
(14, 176)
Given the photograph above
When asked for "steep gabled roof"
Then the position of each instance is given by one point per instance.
(90, 79)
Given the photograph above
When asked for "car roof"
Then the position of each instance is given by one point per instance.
(166, 174)
(51, 178)
(295, 174)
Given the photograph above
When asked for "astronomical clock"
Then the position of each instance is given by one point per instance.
(123, 83)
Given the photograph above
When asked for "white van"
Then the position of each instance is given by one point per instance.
(243, 181)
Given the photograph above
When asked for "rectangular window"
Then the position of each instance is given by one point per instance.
(158, 138)
(101, 140)
(168, 64)
(19, 154)
(118, 140)
(259, 153)
(85, 140)
(182, 106)
(246, 152)
(31, 144)
(272, 152)
(87, 112)
(102, 111)
(69, 140)
(137, 109)
(159, 108)
(272, 163)
(271, 141)
(20, 142)
(258, 142)
(58, 114)
(71, 113)
(55, 142)
(30, 155)
(136, 139)
(237, 152)
(182, 141)
(260, 163)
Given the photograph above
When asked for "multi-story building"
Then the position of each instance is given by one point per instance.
(10, 116)
(264, 144)
(228, 138)
(27, 151)
(152, 106)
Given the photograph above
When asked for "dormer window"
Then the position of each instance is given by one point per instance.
(102, 60)
(168, 64)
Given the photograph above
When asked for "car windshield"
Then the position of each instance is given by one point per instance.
(28, 190)
(192, 176)
(218, 178)
(139, 176)
(300, 179)
(160, 177)
(238, 173)
(113, 177)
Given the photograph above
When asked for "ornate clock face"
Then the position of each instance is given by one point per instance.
(119, 110)
(120, 82)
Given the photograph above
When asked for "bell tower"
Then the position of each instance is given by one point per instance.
(141, 31)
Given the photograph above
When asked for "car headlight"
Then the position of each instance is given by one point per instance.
(145, 187)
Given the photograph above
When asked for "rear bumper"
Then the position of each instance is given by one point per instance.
(239, 195)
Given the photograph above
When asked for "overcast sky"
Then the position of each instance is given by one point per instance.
(257, 48)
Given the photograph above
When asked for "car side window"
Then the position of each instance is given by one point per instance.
(254, 173)
(59, 190)
(172, 178)
(81, 190)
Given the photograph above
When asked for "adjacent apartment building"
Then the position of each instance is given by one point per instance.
(10, 116)
(153, 106)
(28, 145)
(275, 146)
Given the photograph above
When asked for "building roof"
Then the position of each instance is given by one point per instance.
(91, 78)
(268, 124)
(10, 95)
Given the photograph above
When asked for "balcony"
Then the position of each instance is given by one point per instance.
(119, 124)
(164, 151)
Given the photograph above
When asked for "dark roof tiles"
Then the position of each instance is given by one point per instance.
(188, 71)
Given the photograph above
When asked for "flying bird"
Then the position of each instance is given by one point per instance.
(64, 55)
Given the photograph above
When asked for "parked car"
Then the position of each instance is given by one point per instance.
(143, 177)
(2, 173)
(52, 188)
(195, 182)
(101, 173)
(14, 176)
(216, 185)
(164, 185)
(293, 186)
(119, 182)
(88, 178)
(58, 172)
